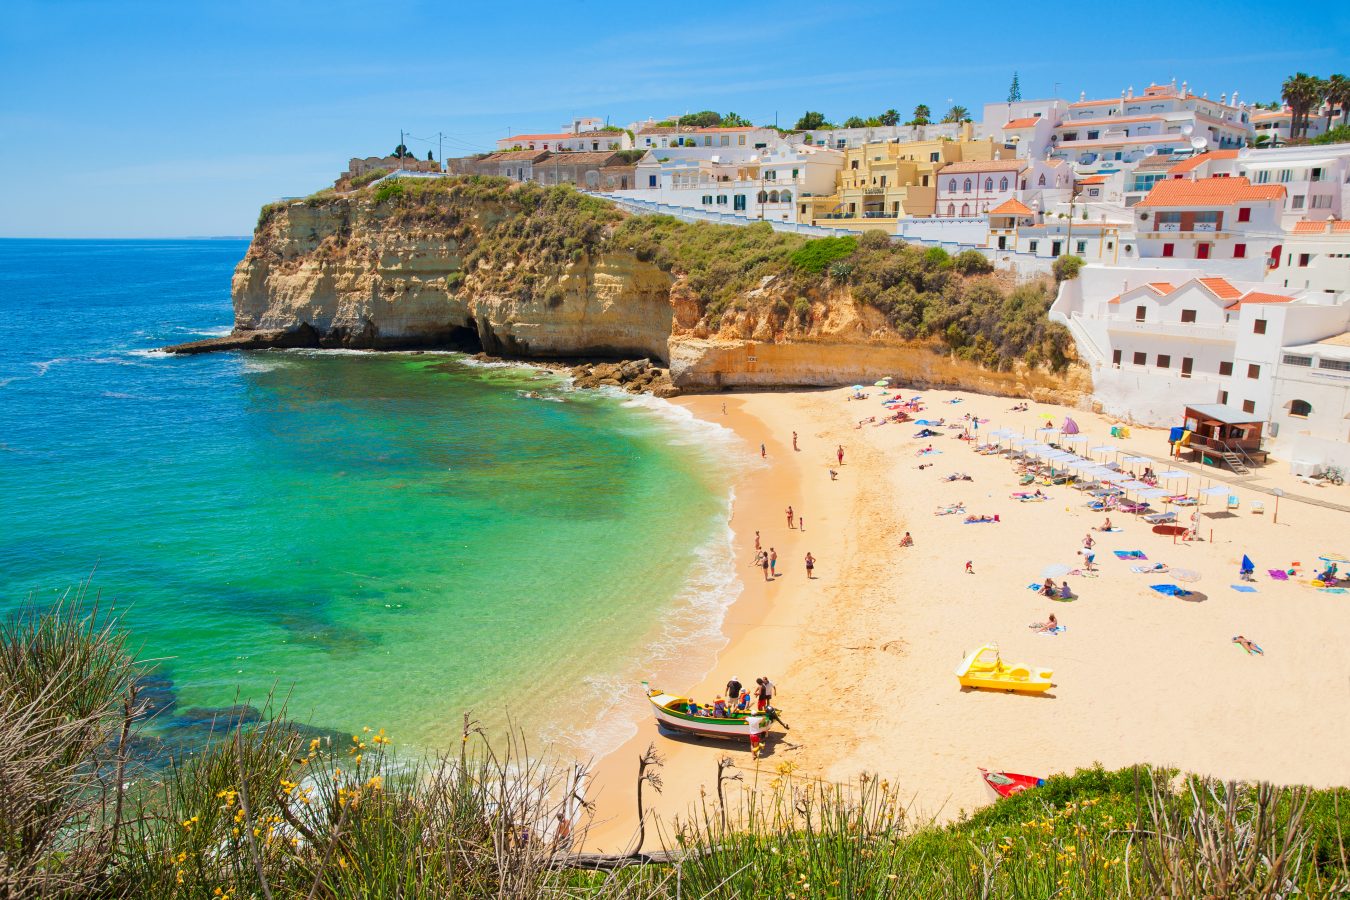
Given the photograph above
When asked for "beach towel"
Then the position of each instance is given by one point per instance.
(1335, 590)
(1170, 590)
(1278, 574)
(1243, 588)
(1112, 530)
(1250, 652)
(1146, 570)
(1129, 554)
(1053, 632)
(1034, 586)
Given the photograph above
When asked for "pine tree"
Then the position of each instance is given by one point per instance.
(1015, 91)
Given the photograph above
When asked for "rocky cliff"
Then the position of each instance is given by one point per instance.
(519, 271)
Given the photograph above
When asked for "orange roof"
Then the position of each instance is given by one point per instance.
(1254, 297)
(541, 137)
(1011, 207)
(1109, 120)
(1094, 179)
(1161, 288)
(1306, 227)
(989, 165)
(1210, 192)
(1094, 102)
(1022, 123)
(1220, 288)
(1190, 165)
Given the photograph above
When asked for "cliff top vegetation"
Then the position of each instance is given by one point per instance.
(955, 303)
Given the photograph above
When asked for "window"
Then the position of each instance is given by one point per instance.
(763, 197)
(1093, 135)
(1202, 250)
(738, 202)
(1223, 396)
(1003, 183)
(1244, 214)
(1140, 312)
(651, 181)
(707, 199)
(1070, 135)
(794, 174)
(1249, 406)
(1253, 370)
(1169, 249)
(741, 140)
(1304, 259)
(1291, 360)
(1259, 326)
(721, 199)
(1286, 175)
(1041, 182)
(1225, 368)
(1140, 358)
(1082, 247)
(1321, 202)
(1239, 251)
(853, 164)
(1032, 246)
(1300, 408)
(989, 184)
(1186, 365)
(1115, 358)
(1188, 315)
(1263, 177)
(951, 209)
(1338, 365)
(1296, 202)
(1164, 361)
(966, 186)
(965, 209)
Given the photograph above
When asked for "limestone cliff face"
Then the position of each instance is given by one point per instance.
(353, 272)
(361, 278)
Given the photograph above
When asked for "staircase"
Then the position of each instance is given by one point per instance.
(1235, 463)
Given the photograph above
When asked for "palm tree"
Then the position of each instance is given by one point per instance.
(1303, 93)
(956, 114)
(1338, 94)
(922, 114)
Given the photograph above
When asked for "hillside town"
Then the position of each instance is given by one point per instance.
(1201, 245)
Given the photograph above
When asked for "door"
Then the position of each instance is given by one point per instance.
(738, 202)
(1202, 251)
(1054, 248)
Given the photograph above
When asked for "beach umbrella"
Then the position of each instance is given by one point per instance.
(1190, 576)
(857, 387)
(1136, 460)
(885, 382)
(1215, 491)
(1069, 426)
(1247, 564)
(1049, 429)
(1153, 493)
(1104, 448)
(1076, 439)
(1054, 570)
(1335, 558)
(1173, 475)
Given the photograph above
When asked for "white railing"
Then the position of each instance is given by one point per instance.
(1186, 330)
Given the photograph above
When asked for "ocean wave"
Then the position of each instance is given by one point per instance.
(149, 353)
(212, 331)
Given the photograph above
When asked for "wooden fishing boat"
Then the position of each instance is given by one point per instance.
(1005, 784)
(679, 714)
(983, 667)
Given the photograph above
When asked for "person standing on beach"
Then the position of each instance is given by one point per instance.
(734, 689)
(764, 563)
(773, 562)
(789, 516)
(794, 440)
(801, 523)
(970, 567)
(763, 452)
(840, 453)
(760, 700)
(810, 565)
(1088, 542)
(766, 693)
(757, 547)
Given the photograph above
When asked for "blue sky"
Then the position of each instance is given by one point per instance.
(128, 119)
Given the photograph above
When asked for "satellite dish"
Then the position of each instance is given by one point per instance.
(1188, 130)
(1199, 143)
(1150, 149)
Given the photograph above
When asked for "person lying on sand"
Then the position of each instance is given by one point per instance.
(1249, 645)
(862, 422)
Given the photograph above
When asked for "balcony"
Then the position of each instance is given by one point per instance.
(1186, 331)
(874, 190)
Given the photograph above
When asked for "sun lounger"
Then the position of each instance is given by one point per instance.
(1139, 508)
(1233, 502)
(1258, 508)
(1160, 518)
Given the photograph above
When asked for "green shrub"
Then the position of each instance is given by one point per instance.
(390, 190)
(1067, 267)
(816, 255)
(972, 262)
(937, 257)
(802, 308)
(366, 178)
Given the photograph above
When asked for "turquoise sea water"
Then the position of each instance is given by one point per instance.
(388, 539)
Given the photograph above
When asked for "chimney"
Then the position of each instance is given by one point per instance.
(1131, 92)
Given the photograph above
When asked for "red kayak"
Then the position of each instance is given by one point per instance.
(1005, 784)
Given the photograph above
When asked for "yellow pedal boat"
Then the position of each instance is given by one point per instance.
(984, 668)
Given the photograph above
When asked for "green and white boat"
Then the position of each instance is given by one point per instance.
(687, 717)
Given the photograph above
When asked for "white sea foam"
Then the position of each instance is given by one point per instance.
(213, 331)
(150, 353)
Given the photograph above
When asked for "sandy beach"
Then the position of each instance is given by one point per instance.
(863, 654)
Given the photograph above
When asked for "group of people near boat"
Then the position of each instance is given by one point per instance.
(737, 700)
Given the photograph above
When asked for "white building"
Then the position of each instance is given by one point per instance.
(1024, 126)
(1315, 256)
(1162, 119)
(759, 183)
(1211, 219)
(657, 137)
(1273, 126)
(1310, 405)
(849, 138)
(1158, 339)
(595, 138)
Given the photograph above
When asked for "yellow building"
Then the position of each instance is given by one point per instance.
(882, 182)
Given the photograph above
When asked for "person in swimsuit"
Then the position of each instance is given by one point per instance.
(789, 516)
(810, 565)
(840, 453)
(764, 561)
(794, 440)
(907, 541)
(773, 562)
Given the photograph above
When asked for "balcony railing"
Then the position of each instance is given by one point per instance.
(1194, 331)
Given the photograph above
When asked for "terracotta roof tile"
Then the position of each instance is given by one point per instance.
(542, 137)
(1161, 288)
(1306, 227)
(989, 165)
(1256, 297)
(513, 155)
(1093, 179)
(1339, 340)
(1011, 207)
(1209, 192)
(1026, 122)
(1195, 162)
(1221, 288)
